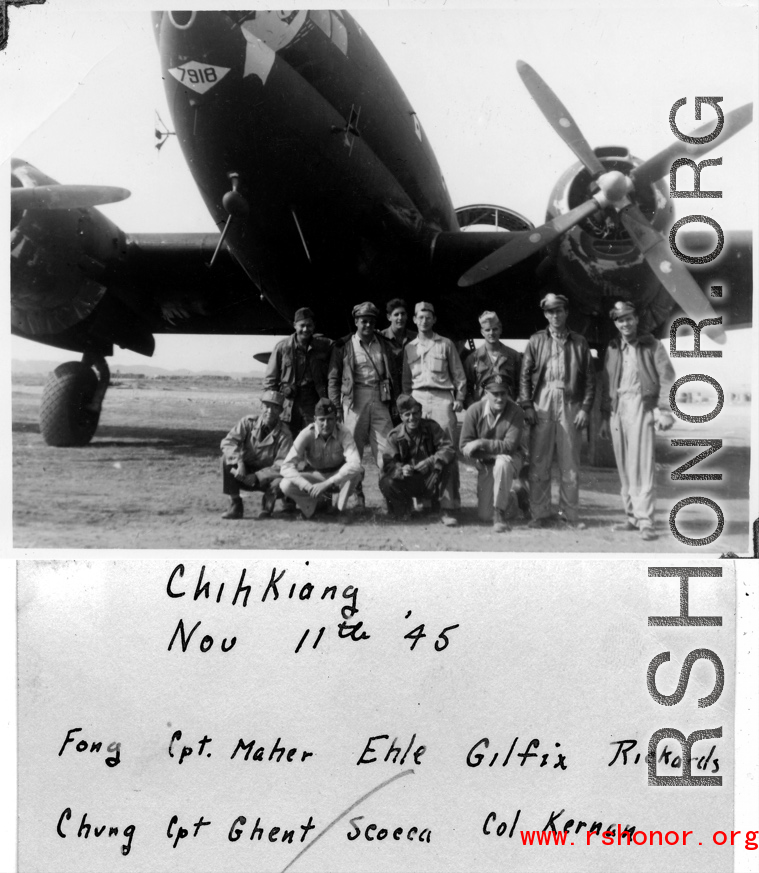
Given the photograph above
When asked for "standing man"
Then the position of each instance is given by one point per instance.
(491, 358)
(298, 369)
(492, 437)
(433, 374)
(638, 375)
(252, 454)
(557, 387)
(360, 382)
(397, 338)
(322, 459)
(418, 463)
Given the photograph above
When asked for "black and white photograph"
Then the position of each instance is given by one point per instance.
(409, 278)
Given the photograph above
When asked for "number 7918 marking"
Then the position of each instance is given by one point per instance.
(199, 77)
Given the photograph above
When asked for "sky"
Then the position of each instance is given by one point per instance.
(81, 84)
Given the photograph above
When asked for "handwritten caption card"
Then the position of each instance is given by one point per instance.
(356, 715)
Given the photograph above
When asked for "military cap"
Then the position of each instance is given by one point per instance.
(406, 403)
(494, 382)
(489, 315)
(303, 313)
(274, 397)
(324, 407)
(554, 301)
(364, 310)
(621, 308)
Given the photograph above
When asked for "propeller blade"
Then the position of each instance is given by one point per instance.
(669, 270)
(656, 167)
(66, 196)
(521, 245)
(559, 118)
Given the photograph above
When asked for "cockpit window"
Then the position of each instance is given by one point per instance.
(339, 33)
(321, 19)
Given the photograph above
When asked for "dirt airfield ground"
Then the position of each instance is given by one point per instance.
(150, 480)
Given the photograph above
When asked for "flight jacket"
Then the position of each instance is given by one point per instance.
(341, 371)
(280, 371)
(478, 365)
(504, 439)
(655, 373)
(433, 446)
(579, 371)
(244, 442)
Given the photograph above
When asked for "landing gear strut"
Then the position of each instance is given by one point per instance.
(72, 400)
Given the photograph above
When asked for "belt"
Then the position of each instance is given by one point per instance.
(448, 391)
(555, 383)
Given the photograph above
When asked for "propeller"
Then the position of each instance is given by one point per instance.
(614, 190)
(66, 196)
(654, 168)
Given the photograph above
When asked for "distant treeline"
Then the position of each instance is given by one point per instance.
(193, 377)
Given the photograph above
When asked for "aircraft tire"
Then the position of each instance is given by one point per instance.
(64, 419)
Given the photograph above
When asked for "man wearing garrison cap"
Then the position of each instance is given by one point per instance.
(557, 386)
(298, 369)
(323, 460)
(491, 436)
(252, 454)
(637, 379)
(417, 462)
(433, 374)
(361, 385)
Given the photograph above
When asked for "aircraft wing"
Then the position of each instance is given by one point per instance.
(80, 293)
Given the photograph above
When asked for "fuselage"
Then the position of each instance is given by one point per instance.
(345, 192)
(339, 195)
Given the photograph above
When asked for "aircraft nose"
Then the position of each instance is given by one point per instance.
(199, 50)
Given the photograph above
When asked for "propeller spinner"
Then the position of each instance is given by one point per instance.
(614, 192)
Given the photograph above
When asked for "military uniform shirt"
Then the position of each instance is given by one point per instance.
(369, 367)
(338, 450)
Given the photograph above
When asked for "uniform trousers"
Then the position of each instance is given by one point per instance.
(304, 501)
(632, 434)
(400, 492)
(369, 422)
(555, 432)
(494, 481)
(302, 408)
(232, 487)
(437, 404)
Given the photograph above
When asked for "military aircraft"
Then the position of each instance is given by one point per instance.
(319, 175)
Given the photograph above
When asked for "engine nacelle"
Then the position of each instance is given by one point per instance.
(596, 260)
(59, 258)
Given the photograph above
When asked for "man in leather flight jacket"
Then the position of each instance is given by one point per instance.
(298, 369)
(361, 385)
(557, 387)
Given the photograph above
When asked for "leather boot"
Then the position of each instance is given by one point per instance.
(235, 508)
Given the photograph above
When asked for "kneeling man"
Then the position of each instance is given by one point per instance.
(491, 436)
(252, 454)
(323, 459)
(417, 462)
